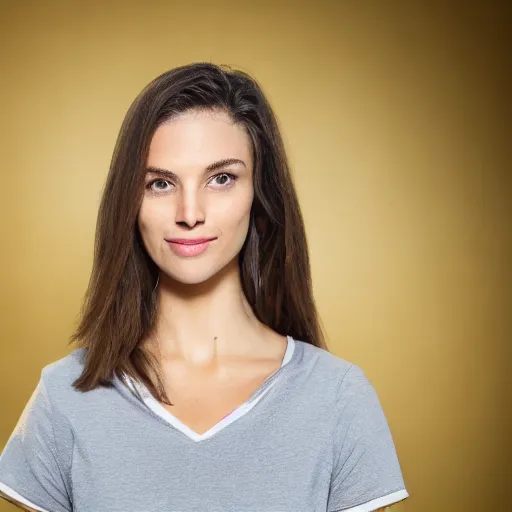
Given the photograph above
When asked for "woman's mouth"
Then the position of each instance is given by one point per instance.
(187, 247)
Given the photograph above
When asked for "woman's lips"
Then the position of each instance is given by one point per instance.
(190, 240)
(189, 247)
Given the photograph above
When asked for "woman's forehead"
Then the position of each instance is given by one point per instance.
(199, 140)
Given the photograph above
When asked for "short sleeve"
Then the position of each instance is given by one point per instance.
(366, 472)
(33, 465)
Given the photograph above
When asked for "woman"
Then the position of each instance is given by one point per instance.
(202, 381)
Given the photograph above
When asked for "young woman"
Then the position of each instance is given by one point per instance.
(202, 381)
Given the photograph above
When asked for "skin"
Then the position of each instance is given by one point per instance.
(204, 322)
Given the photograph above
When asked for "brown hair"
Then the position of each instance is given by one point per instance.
(119, 305)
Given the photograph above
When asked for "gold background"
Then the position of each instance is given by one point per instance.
(395, 117)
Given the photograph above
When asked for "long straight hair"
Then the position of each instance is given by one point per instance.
(119, 306)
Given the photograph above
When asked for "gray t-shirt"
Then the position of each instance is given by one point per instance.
(312, 438)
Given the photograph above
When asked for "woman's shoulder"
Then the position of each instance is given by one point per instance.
(325, 360)
(58, 377)
(67, 367)
(335, 372)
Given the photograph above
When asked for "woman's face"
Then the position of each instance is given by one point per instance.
(187, 200)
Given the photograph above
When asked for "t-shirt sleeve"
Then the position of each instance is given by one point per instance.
(366, 472)
(34, 464)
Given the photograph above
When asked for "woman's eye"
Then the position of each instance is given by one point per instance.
(222, 181)
(159, 180)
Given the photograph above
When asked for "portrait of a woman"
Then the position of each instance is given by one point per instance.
(201, 381)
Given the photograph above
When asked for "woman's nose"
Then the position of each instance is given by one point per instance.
(190, 208)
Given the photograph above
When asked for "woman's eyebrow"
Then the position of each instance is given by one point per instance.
(211, 167)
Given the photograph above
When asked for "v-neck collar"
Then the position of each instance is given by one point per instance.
(155, 406)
